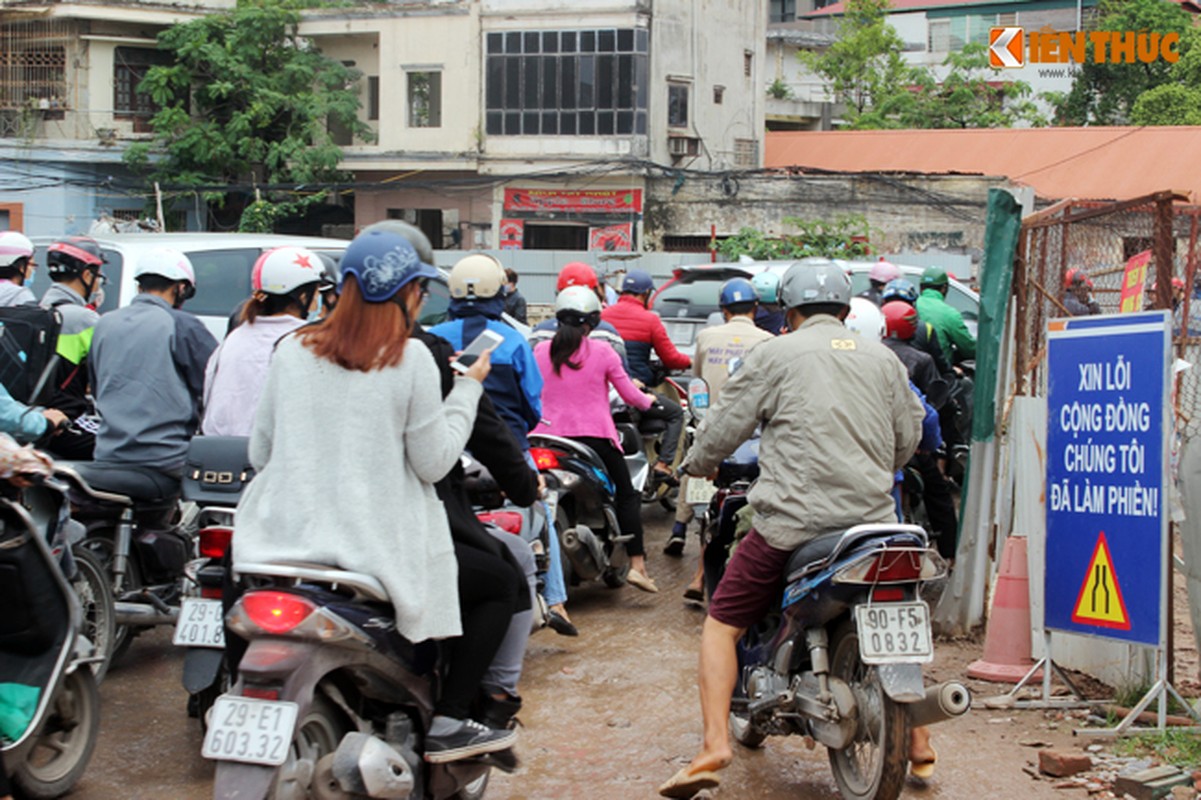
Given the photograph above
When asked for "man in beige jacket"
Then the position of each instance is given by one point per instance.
(838, 419)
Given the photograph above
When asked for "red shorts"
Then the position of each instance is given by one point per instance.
(751, 583)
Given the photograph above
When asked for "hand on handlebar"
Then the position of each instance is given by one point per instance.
(57, 419)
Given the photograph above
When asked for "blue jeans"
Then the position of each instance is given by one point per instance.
(555, 591)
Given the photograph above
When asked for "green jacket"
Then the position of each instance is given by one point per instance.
(955, 339)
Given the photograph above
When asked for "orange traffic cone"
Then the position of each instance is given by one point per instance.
(1007, 642)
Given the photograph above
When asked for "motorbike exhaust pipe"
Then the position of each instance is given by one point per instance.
(942, 702)
(139, 614)
(581, 548)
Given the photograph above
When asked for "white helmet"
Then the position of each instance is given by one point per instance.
(865, 319)
(478, 276)
(166, 263)
(283, 269)
(578, 299)
(14, 246)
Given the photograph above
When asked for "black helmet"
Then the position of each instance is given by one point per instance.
(73, 255)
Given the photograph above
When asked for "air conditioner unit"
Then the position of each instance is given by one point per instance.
(680, 146)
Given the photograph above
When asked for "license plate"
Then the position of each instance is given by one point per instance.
(894, 633)
(251, 731)
(201, 623)
(681, 333)
(698, 491)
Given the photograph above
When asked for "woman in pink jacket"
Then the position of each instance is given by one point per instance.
(576, 374)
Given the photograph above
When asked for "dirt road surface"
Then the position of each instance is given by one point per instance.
(609, 714)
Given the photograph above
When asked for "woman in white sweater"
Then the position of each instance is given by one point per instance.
(391, 437)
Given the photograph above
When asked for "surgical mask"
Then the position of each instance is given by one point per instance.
(315, 311)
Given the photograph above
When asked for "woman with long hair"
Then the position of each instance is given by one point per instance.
(350, 435)
(576, 373)
(286, 282)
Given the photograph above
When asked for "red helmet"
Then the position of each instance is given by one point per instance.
(576, 273)
(1075, 277)
(900, 320)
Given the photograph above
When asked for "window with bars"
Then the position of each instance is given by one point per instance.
(130, 65)
(566, 83)
(425, 99)
(781, 11)
(33, 75)
(746, 153)
(939, 36)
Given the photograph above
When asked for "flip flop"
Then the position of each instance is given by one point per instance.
(686, 784)
(924, 769)
(692, 593)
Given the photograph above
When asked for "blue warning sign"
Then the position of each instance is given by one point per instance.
(1107, 447)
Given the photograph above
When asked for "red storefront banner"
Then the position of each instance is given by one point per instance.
(1132, 282)
(612, 238)
(621, 201)
(512, 232)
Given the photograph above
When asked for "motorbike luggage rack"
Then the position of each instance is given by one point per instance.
(364, 587)
(823, 557)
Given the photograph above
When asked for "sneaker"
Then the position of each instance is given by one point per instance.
(469, 739)
(675, 544)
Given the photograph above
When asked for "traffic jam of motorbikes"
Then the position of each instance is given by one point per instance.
(351, 519)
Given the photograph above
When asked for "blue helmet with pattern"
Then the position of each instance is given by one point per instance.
(899, 289)
(383, 262)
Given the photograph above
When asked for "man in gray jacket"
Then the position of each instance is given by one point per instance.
(838, 419)
(147, 365)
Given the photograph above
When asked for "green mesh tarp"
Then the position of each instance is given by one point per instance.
(1002, 228)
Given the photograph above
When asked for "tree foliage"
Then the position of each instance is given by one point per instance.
(866, 72)
(247, 100)
(1178, 101)
(841, 237)
(1105, 94)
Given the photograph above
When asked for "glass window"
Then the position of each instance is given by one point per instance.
(544, 78)
(222, 280)
(677, 105)
(425, 99)
(373, 97)
(496, 43)
(130, 65)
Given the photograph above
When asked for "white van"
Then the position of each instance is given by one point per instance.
(223, 263)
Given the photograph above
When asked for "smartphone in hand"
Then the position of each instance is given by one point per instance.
(485, 341)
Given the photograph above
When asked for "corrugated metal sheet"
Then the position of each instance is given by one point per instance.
(1086, 163)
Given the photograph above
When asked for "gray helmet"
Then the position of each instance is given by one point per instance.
(814, 281)
(416, 237)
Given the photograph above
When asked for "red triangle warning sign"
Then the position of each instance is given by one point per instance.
(1100, 600)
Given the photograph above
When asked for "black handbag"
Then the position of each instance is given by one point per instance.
(216, 470)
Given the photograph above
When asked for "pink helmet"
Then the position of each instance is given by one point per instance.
(883, 272)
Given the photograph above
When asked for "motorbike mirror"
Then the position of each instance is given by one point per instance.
(698, 398)
(734, 365)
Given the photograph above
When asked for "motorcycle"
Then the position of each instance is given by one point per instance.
(135, 529)
(46, 659)
(581, 495)
(330, 700)
(840, 659)
(216, 471)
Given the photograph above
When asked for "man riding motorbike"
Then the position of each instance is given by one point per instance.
(838, 419)
(16, 267)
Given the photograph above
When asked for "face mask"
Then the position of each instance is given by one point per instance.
(315, 312)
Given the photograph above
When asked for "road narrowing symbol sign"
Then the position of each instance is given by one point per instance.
(1100, 600)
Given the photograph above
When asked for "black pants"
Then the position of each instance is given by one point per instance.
(673, 414)
(940, 508)
(627, 501)
(487, 600)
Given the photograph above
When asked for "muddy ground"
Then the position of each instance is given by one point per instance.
(609, 714)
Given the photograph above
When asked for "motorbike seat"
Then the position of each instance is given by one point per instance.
(651, 427)
(817, 553)
(142, 485)
(366, 587)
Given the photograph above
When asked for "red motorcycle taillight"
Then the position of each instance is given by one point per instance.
(505, 520)
(214, 542)
(276, 612)
(895, 567)
(211, 592)
(261, 692)
(544, 458)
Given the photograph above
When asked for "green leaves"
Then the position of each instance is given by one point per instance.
(247, 100)
(841, 237)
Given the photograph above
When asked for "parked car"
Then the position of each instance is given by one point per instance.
(223, 262)
(687, 301)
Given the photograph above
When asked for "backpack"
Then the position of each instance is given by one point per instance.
(28, 359)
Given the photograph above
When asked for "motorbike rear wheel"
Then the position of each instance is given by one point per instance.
(102, 548)
(95, 592)
(873, 766)
(64, 745)
(318, 734)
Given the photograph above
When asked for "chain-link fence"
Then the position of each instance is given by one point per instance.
(1098, 239)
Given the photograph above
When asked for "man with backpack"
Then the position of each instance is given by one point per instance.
(75, 267)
